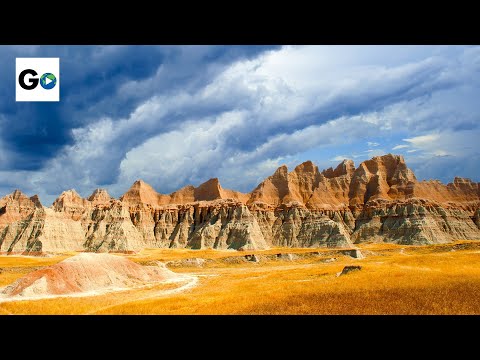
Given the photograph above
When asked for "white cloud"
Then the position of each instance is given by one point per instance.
(376, 152)
(258, 113)
(447, 142)
(423, 140)
(166, 157)
(340, 158)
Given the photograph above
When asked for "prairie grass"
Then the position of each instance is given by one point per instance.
(415, 280)
(178, 254)
(13, 267)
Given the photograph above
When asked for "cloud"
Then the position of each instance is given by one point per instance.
(340, 158)
(164, 158)
(445, 154)
(445, 168)
(148, 112)
(93, 83)
(423, 140)
(455, 143)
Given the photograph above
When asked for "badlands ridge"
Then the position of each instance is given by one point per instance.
(379, 201)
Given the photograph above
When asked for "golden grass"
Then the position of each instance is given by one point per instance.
(25, 261)
(421, 280)
(178, 254)
(13, 267)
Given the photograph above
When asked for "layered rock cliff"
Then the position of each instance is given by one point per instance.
(381, 200)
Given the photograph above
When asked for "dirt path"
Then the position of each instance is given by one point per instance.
(187, 282)
(192, 281)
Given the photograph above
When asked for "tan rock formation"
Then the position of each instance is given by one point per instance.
(332, 191)
(111, 229)
(85, 274)
(208, 191)
(414, 221)
(100, 197)
(143, 194)
(461, 190)
(273, 189)
(346, 167)
(43, 230)
(302, 181)
(220, 224)
(17, 206)
(381, 200)
(70, 203)
(476, 218)
(383, 177)
(300, 227)
(184, 195)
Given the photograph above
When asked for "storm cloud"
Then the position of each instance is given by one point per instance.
(180, 115)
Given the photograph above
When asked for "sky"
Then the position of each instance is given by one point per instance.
(180, 115)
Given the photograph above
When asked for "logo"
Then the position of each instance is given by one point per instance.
(32, 72)
(48, 81)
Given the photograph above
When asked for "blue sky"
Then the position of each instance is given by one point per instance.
(178, 115)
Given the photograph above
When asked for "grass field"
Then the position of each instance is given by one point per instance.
(439, 279)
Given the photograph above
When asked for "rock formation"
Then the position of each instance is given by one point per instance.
(381, 200)
(17, 206)
(86, 273)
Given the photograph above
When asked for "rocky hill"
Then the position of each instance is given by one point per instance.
(86, 273)
(380, 200)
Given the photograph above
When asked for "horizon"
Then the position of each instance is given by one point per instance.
(178, 115)
(86, 196)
